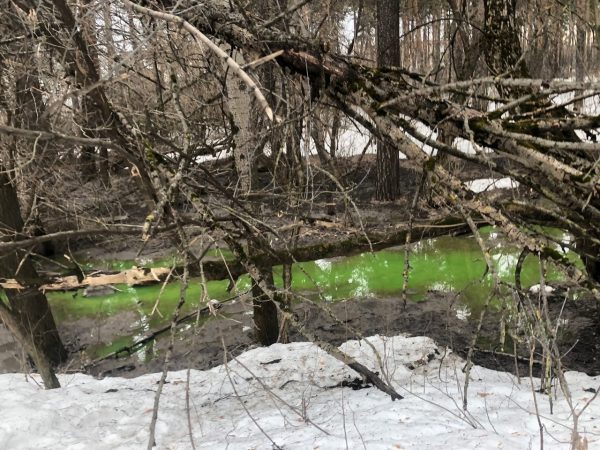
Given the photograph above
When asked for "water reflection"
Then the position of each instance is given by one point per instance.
(444, 264)
(448, 264)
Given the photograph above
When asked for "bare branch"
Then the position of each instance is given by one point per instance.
(214, 48)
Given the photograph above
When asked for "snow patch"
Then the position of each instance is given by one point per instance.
(488, 184)
(293, 393)
(535, 289)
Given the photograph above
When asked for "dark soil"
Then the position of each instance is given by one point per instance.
(275, 207)
(203, 347)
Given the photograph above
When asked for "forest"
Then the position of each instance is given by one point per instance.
(246, 146)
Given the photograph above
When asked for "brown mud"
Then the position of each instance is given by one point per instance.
(439, 317)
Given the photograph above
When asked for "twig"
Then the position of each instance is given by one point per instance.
(242, 403)
(284, 14)
(270, 391)
(234, 66)
(407, 243)
(129, 349)
(163, 377)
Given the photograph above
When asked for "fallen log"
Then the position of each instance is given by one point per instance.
(133, 277)
(353, 243)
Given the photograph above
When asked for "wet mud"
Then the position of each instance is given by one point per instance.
(440, 316)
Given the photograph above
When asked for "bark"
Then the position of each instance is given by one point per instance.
(245, 130)
(26, 311)
(317, 133)
(42, 363)
(29, 113)
(590, 257)
(294, 105)
(335, 130)
(28, 307)
(265, 310)
(580, 56)
(388, 54)
(502, 47)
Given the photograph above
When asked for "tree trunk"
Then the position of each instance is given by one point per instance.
(317, 132)
(111, 52)
(580, 53)
(92, 164)
(388, 54)
(266, 318)
(243, 111)
(29, 113)
(502, 47)
(293, 138)
(28, 308)
(590, 257)
(264, 295)
(43, 364)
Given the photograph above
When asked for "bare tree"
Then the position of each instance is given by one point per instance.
(388, 54)
(27, 313)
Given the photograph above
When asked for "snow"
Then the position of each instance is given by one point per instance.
(535, 289)
(487, 184)
(289, 390)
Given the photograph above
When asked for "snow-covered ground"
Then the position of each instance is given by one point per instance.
(286, 394)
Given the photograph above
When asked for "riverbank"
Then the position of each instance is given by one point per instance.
(439, 316)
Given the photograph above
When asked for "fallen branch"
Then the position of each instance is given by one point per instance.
(7, 247)
(129, 349)
(352, 244)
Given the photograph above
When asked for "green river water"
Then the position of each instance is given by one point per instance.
(449, 264)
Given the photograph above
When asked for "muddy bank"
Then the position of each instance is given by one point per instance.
(440, 317)
(201, 346)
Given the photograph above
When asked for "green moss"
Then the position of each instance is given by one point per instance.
(555, 255)
(429, 164)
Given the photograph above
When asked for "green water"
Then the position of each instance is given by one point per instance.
(152, 305)
(449, 264)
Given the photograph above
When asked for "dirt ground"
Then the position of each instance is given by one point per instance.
(332, 212)
(438, 317)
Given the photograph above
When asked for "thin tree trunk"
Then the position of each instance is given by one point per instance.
(245, 131)
(580, 51)
(388, 54)
(30, 315)
(335, 130)
(91, 164)
(265, 314)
